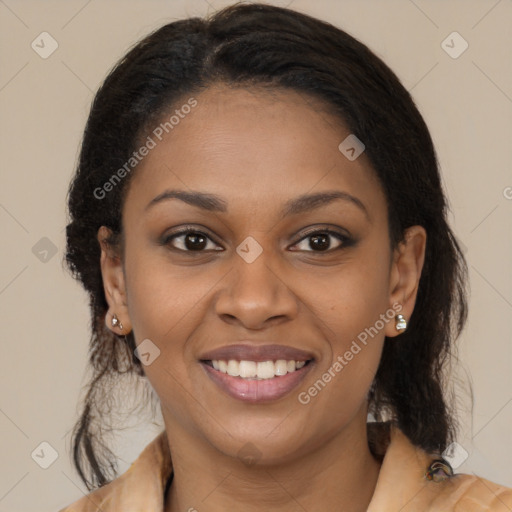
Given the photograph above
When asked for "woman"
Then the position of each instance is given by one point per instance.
(258, 218)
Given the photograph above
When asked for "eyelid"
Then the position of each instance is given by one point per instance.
(344, 239)
(325, 228)
(184, 230)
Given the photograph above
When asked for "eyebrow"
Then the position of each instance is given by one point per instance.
(301, 204)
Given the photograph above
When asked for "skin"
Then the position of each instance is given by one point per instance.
(257, 150)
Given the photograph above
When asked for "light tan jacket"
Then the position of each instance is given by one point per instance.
(402, 485)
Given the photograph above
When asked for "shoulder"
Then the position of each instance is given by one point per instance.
(471, 493)
(140, 487)
(103, 498)
(95, 500)
(411, 480)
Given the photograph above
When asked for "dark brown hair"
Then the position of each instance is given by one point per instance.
(250, 45)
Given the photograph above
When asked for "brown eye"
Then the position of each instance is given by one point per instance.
(322, 241)
(190, 241)
(195, 241)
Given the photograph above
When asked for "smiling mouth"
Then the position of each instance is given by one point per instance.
(257, 374)
(256, 370)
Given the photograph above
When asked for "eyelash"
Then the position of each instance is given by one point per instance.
(344, 239)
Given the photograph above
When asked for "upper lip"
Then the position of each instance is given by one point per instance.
(246, 352)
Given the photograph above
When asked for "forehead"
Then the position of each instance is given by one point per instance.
(249, 146)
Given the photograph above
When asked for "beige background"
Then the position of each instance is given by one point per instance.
(467, 103)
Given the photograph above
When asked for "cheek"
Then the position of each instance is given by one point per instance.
(353, 309)
(355, 331)
(353, 299)
(166, 307)
(165, 302)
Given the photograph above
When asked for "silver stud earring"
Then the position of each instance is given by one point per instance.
(400, 323)
(115, 322)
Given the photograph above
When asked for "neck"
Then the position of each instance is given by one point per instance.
(341, 474)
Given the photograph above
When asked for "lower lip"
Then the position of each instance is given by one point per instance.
(257, 391)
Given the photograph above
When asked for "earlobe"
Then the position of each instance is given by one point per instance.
(405, 276)
(117, 318)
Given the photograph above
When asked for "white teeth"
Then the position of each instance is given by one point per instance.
(257, 370)
(248, 369)
(233, 368)
(280, 367)
(266, 370)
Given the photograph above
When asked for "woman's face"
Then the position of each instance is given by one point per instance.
(268, 273)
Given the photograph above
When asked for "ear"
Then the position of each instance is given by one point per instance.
(405, 275)
(113, 284)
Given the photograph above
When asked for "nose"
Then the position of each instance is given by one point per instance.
(255, 295)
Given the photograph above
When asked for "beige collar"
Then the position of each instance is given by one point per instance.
(401, 486)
